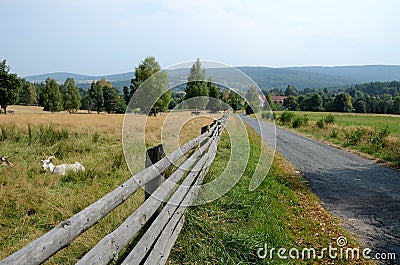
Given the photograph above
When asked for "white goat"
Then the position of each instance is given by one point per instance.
(61, 169)
(5, 162)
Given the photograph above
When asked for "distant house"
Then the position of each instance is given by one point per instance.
(262, 100)
(278, 99)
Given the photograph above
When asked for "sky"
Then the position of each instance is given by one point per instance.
(101, 37)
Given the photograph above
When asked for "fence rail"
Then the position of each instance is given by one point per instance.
(160, 235)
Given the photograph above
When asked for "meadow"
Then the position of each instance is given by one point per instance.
(376, 121)
(281, 212)
(33, 201)
(374, 136)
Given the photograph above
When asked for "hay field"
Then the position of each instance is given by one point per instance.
(32, 201)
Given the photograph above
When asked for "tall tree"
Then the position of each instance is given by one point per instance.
(291, 103)
(111, 99)
(342, 103)
(396, 105)
(96, 94)
(154, 82)
(197, 86)
(312, 102)
(235, 101)
(360, 106)
(127, 95)
(52, 100)
(87, 102)
(28, 94)
(253, 99)
(9, 86)
(71, 96)
(291, 91)
(214, 103)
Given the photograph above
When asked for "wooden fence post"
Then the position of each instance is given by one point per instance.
(203, 130)
(153, 155)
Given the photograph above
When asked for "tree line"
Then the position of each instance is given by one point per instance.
(373, 97)
(102, 96)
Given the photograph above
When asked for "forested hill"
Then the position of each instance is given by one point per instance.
(356, 74)
(265, 77)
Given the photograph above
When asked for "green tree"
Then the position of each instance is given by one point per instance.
(127, 95)
(71, 96)
(28, 94)
(9, 86)
(291, 91)
(197, 86)
(96, 94)
(111, 99)
(87, 102)
(312, 102)
(235, 101)
(396, 105)
(52, 100)
(214, 103)
(253, 99)
(290, 103)
(342, 103)
(270, 102)
(154, 82)
(360, 106)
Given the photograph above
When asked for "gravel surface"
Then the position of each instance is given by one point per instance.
(364, 194)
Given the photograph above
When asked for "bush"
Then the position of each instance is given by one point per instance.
(334, 133)
(355, 136)
(287, 117)
(300, 121)
(321, 123)
(267, 115)
(330, 119)
(378, 138)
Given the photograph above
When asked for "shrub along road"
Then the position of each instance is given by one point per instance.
(364, 194)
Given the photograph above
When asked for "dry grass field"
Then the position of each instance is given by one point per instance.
(33, 201)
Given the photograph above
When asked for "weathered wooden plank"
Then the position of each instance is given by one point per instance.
(107, 249)
(147, 240)
(170, 233)
(171, 241)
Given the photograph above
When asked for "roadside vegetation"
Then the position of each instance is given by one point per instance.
(375, 135)
(281, 212)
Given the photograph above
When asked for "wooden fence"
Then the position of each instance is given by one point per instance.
(160, 223)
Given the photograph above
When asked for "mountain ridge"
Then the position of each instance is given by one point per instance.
(266, 77)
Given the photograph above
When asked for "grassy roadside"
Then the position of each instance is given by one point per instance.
(281, 212)
(372, 136)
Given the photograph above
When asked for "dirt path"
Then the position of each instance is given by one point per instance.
(364, 194)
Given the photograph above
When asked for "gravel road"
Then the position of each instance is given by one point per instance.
(364, 194)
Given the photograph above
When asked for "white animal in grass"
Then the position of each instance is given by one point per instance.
(5, 162)
(61, 169)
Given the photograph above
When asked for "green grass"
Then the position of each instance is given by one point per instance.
(376, 121)
(375, 135)
(281, 212)
(32, 202)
